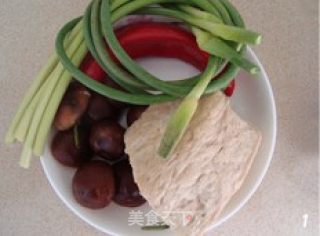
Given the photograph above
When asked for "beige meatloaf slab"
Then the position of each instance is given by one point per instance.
(190, 189)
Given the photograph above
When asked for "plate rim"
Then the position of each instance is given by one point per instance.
(270, 152)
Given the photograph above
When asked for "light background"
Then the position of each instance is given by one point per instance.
(28, 205)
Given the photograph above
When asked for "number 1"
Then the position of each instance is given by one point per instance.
(305, 220)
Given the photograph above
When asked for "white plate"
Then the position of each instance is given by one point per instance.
(254, 102)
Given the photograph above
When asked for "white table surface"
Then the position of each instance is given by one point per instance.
(28, 205)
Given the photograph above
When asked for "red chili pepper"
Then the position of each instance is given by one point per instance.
(91, 68)
(157, 40)
(230, 89)
(162, 40)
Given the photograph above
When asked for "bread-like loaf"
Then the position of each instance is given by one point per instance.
(190, 189)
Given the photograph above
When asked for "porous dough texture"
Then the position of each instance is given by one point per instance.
(190, 189)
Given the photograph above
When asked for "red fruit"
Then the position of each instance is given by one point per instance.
(93, 185)
(65, 150)
(127, 192)
(101, 108)
(107, 139)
